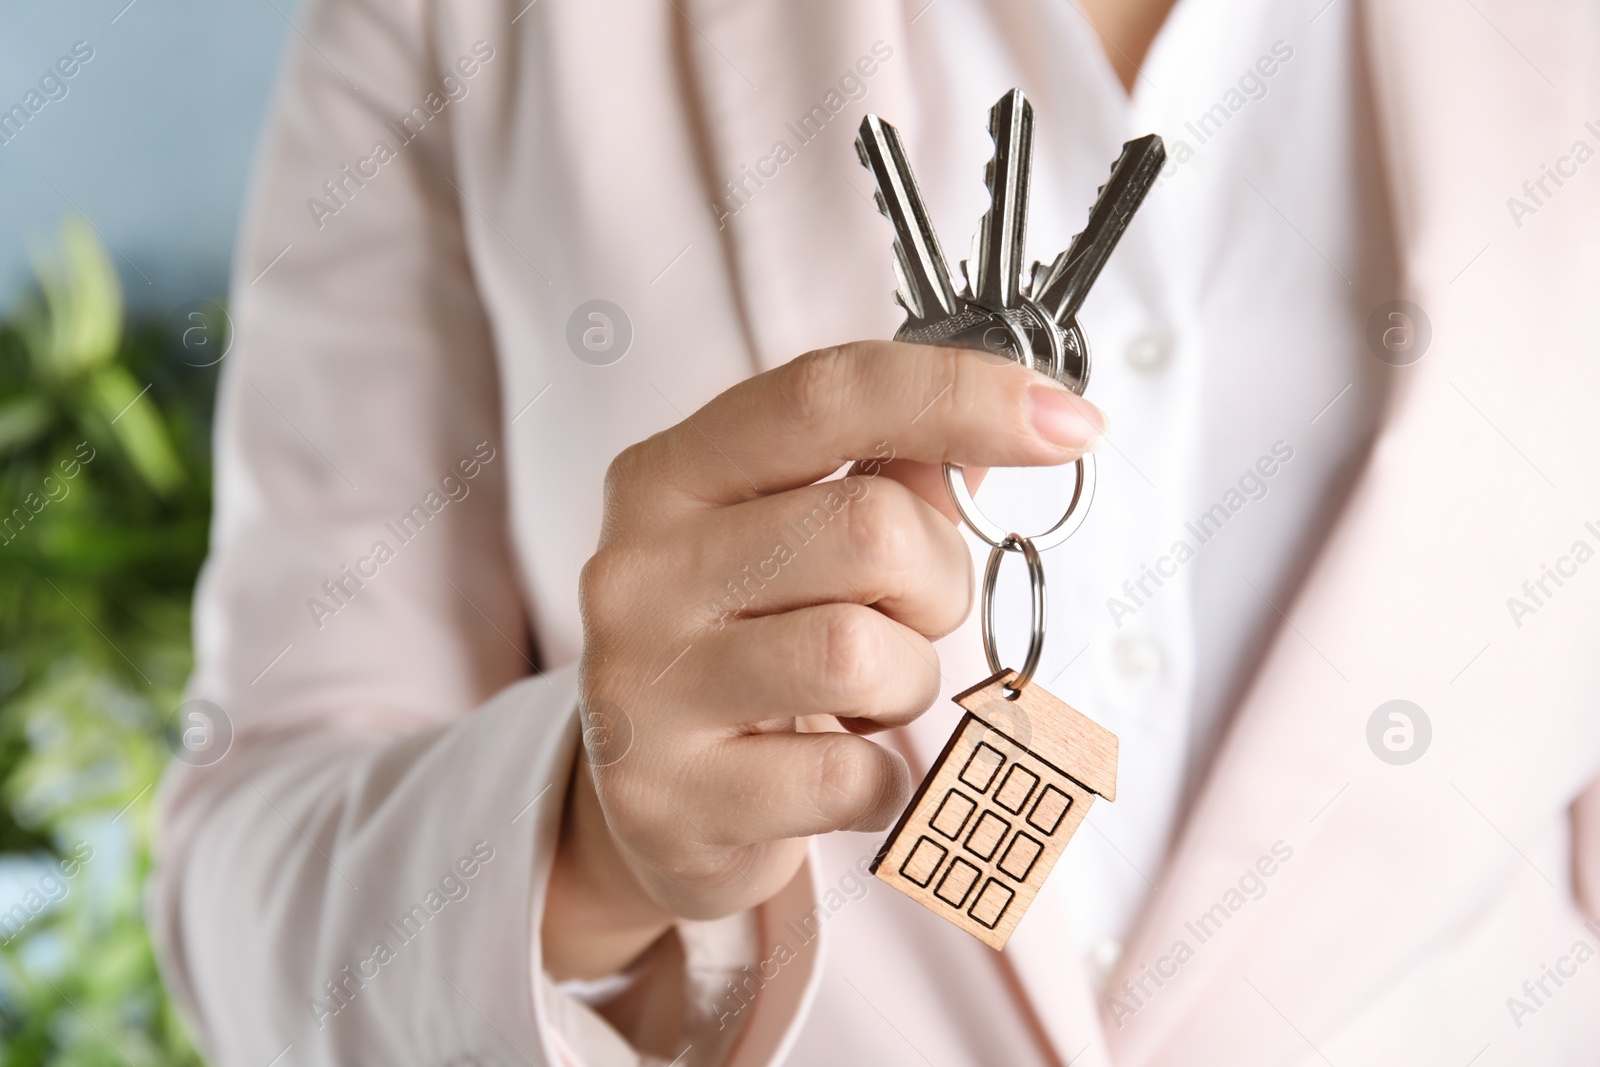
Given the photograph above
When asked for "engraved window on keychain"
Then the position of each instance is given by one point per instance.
(1017, 777)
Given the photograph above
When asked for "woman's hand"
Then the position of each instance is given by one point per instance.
(731, 598)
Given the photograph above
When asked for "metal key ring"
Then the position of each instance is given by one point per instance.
(991, 575)
(995, 536)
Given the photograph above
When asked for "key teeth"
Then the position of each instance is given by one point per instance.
(1033, 280)
(1011, 133)
(862, 133)
(899, 253)
(994, 139)
(1154, 150)
(865, 158)
(920, 268)
(1020, 103)
(1128, 147)
(994, 135)
(905, 294)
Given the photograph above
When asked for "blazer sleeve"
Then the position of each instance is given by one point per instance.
(352, 865)
(351, 868)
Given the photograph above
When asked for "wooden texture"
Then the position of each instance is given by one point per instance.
(998, 807)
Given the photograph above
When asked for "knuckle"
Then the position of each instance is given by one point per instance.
(813, 386)
(845, 779)
(883, 529)
(619, 798)
(953, 610)
(609, 591)
(633, 815)
(626, 469)
(849, 648)
(950, 589)
(598, 588)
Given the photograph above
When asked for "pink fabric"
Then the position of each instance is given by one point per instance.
(379, 346)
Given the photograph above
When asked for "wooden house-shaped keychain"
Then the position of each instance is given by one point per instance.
(1016, 779)
(998, 807)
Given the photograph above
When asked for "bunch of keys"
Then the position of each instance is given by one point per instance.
(1017, 777)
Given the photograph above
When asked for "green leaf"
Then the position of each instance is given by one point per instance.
(23, 420)
(84, 300)
(135, 420)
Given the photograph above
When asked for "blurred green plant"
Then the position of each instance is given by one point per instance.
(104, 506)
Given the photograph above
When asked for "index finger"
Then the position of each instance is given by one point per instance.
(878, 400)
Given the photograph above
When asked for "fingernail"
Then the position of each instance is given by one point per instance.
(1066, 420)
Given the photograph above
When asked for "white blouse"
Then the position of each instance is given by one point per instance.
(1227, 331)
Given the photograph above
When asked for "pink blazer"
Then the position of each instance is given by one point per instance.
(402, 378)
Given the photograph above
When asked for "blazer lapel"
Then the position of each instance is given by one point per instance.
(1403, 599)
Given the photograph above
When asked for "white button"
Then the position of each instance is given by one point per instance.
(1137, 657)
(1148, 352)
(1105, 954)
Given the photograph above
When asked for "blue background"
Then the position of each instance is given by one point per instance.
(153, 142)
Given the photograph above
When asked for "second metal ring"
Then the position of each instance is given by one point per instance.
(991, 576)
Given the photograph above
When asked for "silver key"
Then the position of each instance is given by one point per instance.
(935, 312)
(995, 280)
(1034, 322)
(1068, 280)
(996, 271)
(925, 289)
